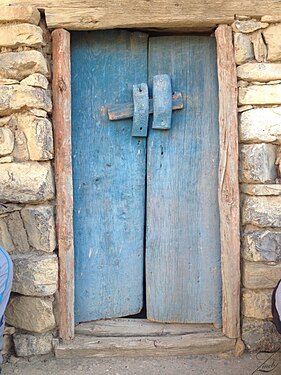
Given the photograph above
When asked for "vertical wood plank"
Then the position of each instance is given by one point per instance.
(183, 252)
(63, 177)
(228, 190)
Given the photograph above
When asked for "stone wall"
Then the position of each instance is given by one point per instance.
(258, 56)
(27, 225)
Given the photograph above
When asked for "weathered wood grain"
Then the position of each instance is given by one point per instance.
(138, 327)
(183, 275)
(228, 182)
(108, 14)
(191, 344)
(61, 85)
(108, 175)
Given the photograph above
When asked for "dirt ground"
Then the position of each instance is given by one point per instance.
(248, 364)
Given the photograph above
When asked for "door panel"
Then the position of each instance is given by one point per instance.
(182, 240)
(108, 175)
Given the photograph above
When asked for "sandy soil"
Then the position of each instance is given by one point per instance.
(248, 364)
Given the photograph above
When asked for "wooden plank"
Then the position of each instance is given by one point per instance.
(192, 344)
(108, 175)
(108, 14)
(228, 182)
(137, 327)
(183, 239)
(61, 89)
(123, 111)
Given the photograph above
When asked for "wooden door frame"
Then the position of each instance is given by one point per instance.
(228, 186)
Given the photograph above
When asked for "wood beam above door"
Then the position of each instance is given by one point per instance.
(188, 14)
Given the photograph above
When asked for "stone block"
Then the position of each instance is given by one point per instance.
(260, 125)
(36, 80)
(7, 345)
(20, 152)
(28, 345)
(257, 275)
(248, 26)
(19, 65)
(6, 141)
(18, 13)
(261, 245)
(258, 95)
(273, 41)
(259, 72)
(257, 163)
(6, 241)
(272, 189)
(16, 232)
(260, 49)
(38, 134)
(16, 97)
(8, 81)
(19, 35)
(262, 211)
(39, 223)
(256, 303)
(35, 275)
(260, 335)
(243, 48)
(26, 182)
(31, 314)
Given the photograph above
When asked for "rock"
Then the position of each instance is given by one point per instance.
(20, 152)
(260, 335)
(18, 35)
(6, 141)
(7, 345)
(31, 314)
(18, 65)
(38, 133)
(18, 13)
(6, 159)
(260, 49)
(35, 275)
(16, 97)
(245, 108)
(262, 211)
(257, 163)
(259, 72)
(38, 112)
(9, 330)
(260, 125)
(39, 223)
(273, 189)
(26, 182)
(261, 245)
(257, 275)
(6, 241)
(27, 345)
(243, 48)
(36, 80)
(248, 26)
(6, 81)
(272, 39)
(266, 94)
(15, 233)
(257, 303)
(271, 19)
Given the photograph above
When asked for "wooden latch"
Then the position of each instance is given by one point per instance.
(162, 105)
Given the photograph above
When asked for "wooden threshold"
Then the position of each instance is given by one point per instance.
(122, 327)
(138, 338)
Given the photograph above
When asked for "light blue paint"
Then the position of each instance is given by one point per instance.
(109, 167)
(108, 175)
(183, 272)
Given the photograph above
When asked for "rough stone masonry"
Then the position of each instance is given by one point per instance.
(257, 46)
(27, 225)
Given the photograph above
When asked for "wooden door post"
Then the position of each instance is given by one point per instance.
(61, 86)
(228, 183)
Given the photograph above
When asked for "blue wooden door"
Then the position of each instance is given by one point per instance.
(154, 198)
